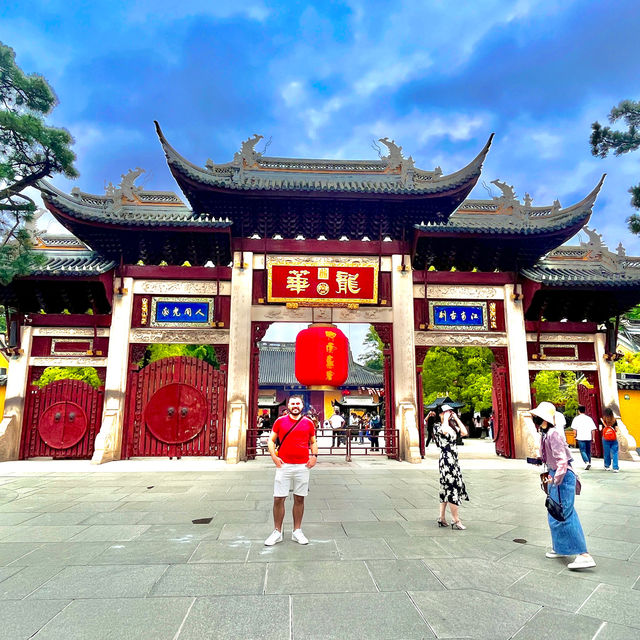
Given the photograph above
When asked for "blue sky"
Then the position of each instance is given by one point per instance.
(324, 79)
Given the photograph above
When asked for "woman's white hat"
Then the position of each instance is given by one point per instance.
(445, 407)
(546, 411)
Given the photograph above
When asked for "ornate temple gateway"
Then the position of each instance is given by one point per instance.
(267, 239)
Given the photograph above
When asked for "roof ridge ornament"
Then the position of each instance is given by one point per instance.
(597, 250)
(126, 189)
(396, 160)
(248, 156)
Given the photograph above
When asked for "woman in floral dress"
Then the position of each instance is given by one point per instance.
(452, 489)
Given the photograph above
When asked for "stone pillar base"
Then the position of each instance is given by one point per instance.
(9, 438)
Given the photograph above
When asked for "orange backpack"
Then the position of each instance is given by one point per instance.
(609, 434)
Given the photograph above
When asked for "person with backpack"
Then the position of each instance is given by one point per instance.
(291, 438)
(374, 429)
(608, 425)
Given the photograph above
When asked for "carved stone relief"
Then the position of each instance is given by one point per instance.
(184, 336)
(556, 365)
(460, 292)
(83, 332)
(66, 361)
(561, 337)
(433, 339)
(182, 287)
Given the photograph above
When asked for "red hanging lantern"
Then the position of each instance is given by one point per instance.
(322, 356)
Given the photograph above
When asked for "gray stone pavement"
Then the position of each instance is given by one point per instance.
(112, 552)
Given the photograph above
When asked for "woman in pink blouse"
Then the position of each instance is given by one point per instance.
(567, 536)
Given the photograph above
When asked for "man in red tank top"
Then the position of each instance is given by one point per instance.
(296, 434)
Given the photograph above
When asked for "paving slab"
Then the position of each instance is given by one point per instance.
(612, 604)
(552, 624)
(211, 580)
(26, 581)
(21, 619)
(319, 577)
(384, 616)
(147, 552)
(469, 613)
(403, 575)
(264, 617)
(475, 573)
(562, 592)
(101, 582)
(133, 618)
(62, 553)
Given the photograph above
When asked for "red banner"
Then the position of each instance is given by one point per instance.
(322, 282)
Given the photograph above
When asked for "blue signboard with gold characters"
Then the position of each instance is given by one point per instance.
(181, 312)
(458, 316)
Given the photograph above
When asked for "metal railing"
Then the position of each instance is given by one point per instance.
(345, 442)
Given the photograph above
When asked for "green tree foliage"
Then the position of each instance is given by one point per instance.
(372, 356)
(462, 374)
(634, 313)
(558, 387)
(630, 363)
(605, 139)
(51, 374)
(158, 351)
(29, 151)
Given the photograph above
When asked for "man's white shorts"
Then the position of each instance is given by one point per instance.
(288, 475)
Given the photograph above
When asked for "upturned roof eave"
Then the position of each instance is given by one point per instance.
(65, 207)
(181, 168)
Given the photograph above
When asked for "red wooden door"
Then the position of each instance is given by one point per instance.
(176, 407)
(501, 400)
(61, 420)
(590, 398)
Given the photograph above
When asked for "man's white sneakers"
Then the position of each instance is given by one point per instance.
(299, 537)
(274, 538)
(553, 554)
(582, 562)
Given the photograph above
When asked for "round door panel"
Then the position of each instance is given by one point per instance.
(63, 424)
(176, 413)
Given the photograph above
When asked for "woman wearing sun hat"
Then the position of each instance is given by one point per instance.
(452, 489)
(567, 536)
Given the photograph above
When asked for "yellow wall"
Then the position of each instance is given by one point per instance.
(630, 411)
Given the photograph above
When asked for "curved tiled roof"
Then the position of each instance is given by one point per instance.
(277, 365)
(151, 209)
(497, 217)
(389, 175)
(85, 263)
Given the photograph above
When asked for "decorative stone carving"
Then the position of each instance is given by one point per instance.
(440, 339)
(460, 292)
(181, 287)
(559, 338)
(66, 361)
(184, 336)
(126, 189)
(508, 194)
(80, 332)
(599, 251)
(395, 160)
(556, 365)
(248, 156)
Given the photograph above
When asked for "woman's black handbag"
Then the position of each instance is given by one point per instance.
(555, 508)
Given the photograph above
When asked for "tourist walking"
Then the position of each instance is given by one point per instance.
(336, 421)
(429, 421)
(584, 427)
(567, 536)
(608, 426)
(452, 489)
(295, 434)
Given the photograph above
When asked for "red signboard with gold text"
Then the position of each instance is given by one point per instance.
(322, 280)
